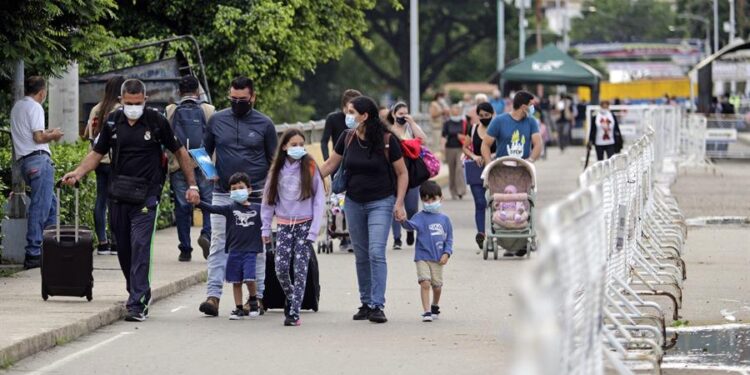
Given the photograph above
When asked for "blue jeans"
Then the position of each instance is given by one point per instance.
(39, 174)
(411, 204)
(368, 227)
(100, 207)
(217, 259)
(480, 205)
(183, 211)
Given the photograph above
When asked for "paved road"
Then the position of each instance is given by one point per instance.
(473, 334)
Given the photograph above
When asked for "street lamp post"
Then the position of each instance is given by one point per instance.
(414, 56)
(521, 29)
(706, 25)
(716, 26)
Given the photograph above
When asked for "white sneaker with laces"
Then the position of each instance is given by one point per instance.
(427, 316)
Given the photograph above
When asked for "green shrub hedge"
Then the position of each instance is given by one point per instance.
(66, 157)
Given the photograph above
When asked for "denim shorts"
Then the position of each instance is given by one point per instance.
(240, 267)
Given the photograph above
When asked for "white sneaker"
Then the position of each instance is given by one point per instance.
(427, 316)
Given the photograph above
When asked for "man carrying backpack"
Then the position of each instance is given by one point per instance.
(189, 119)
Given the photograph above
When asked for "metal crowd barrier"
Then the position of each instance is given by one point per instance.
(609, 274)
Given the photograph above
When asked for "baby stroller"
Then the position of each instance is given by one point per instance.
(511, 195)
(335, 224)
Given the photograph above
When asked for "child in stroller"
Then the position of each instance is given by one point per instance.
(335, 225)
(511, 192)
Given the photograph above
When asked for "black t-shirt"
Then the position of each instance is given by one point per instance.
(242, 226)
(451, 130)
(140, 149)
(334, 127)
(371, 176)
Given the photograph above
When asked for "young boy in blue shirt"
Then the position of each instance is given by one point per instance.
(434, 246)
(243, 242)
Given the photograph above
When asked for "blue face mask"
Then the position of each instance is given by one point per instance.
(239, 195)
(351, 123)
(531, 110)
(433, 207)
(296, 152)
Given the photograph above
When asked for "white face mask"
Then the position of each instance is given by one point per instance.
(133, 112)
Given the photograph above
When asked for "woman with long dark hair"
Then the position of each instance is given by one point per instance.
(97, 119)
(375, 187)
(404, 127)
(472, 148)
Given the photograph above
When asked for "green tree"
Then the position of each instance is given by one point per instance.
(274, 42)
(623, 21)
(48, 34)
(448, 29)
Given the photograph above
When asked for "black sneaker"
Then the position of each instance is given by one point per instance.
(397, 245)
(292, 321)
(479, 238)
(32, 261)
(254, 309)
(133, 316)
(435, 311)
(184, 256)
(410, 237)
(363, 313)
(205, 243)
(427, 316)
(377, 316)
(237, 314)
(103, 249)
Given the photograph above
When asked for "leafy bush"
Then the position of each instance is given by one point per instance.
(66, 157)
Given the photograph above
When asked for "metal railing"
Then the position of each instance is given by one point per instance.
(608, 253)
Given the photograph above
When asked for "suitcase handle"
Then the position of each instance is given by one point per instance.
(58, 187)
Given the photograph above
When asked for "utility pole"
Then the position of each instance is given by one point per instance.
(521, 29)
(414, 56)
(716, 26)
(538, 19)
(733, 83)
(500, 35)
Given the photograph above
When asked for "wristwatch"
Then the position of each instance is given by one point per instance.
(194, 187)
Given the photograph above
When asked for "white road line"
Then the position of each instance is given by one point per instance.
(178, 308)
(77, 354)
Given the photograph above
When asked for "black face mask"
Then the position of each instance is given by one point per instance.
(401, 120)
(485, 121)
(241, 107)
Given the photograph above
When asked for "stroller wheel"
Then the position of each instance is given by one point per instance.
(497, 249)
(320, 247)
(486, 248)
(329, 246)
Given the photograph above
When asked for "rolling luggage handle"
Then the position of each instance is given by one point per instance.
(58, 186)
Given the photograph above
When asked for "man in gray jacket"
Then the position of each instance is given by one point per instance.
(244, 140)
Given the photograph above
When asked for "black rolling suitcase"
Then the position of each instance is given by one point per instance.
(67, 258)
(273, 296)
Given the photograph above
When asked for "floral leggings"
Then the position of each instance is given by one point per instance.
(292, 241)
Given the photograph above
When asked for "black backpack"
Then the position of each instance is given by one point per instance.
(189, 124)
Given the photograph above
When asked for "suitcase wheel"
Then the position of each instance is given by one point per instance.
(89, 295)
(45, 296)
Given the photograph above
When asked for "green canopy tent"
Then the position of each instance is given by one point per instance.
(552, 66)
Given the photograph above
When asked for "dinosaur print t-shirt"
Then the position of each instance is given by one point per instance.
(243, 226)
(513, 138)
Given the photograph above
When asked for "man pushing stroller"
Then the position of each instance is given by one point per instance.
(516, 133)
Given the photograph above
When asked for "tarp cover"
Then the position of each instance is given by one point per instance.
(553, 66)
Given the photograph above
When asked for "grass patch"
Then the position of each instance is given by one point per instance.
(680, 323)
(7, 271)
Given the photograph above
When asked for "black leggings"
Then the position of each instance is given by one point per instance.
(610, 150)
